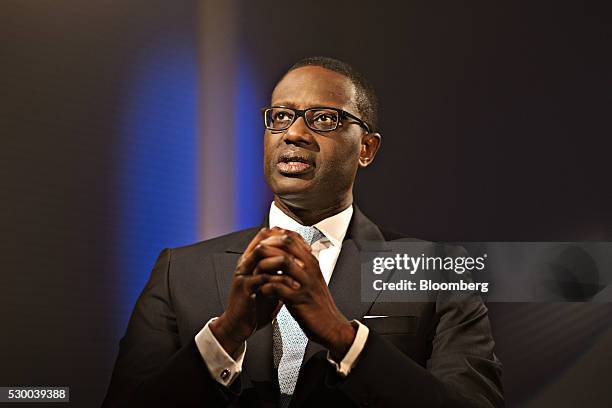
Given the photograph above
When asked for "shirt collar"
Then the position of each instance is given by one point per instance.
(333, 227)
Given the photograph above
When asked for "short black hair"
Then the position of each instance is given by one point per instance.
(367, 100)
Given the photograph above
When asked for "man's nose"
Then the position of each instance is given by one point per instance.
(298, 133)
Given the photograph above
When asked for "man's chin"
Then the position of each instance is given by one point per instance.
(292, 187)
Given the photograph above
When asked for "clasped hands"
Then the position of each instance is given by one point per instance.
(258, 292)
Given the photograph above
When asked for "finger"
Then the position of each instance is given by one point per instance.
(293, 243)
(299, 239)
(248, 263)
(281, 242)
(243, 267)
(281, 290)
(286, 263)
(261, 234)
(286, 280)
(251, 284)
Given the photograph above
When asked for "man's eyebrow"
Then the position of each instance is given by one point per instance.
(296, 106)
(287, 104)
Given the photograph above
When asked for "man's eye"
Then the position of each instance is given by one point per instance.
(324, 118)
(282, 116)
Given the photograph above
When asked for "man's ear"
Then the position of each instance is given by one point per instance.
(370, 143)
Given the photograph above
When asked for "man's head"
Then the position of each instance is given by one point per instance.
(307, 165)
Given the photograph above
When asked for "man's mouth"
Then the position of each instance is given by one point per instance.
(291, 163)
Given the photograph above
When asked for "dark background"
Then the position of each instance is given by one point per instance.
(496, 125)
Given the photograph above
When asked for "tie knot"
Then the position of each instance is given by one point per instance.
(310, 234)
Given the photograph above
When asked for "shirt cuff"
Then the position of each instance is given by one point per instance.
(351, 357)
(222, 367)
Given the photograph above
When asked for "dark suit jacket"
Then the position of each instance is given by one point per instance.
(433, 354)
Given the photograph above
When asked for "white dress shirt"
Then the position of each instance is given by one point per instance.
(225, 368)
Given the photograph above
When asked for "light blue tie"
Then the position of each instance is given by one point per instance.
(288, 338)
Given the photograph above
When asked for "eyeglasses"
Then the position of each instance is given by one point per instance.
(320, 119)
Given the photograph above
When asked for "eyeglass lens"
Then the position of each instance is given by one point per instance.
(317, 119)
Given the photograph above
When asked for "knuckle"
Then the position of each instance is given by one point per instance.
(240, 263)
(288, 239)
(288, 260)
(259, 250)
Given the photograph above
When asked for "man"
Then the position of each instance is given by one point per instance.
(248, 319)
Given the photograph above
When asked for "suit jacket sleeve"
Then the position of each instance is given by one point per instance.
(152, 367)
(462, 371)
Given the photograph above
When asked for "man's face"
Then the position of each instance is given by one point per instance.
(328, 161)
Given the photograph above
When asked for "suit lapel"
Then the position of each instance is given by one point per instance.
(225, 264)
(345, 283)
(345, 288)
(258, 364)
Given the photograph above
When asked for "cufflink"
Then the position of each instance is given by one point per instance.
(225, 374)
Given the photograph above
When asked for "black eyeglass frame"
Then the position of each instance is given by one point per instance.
(302, 113)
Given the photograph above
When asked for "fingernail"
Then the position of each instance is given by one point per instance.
(296, 284)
